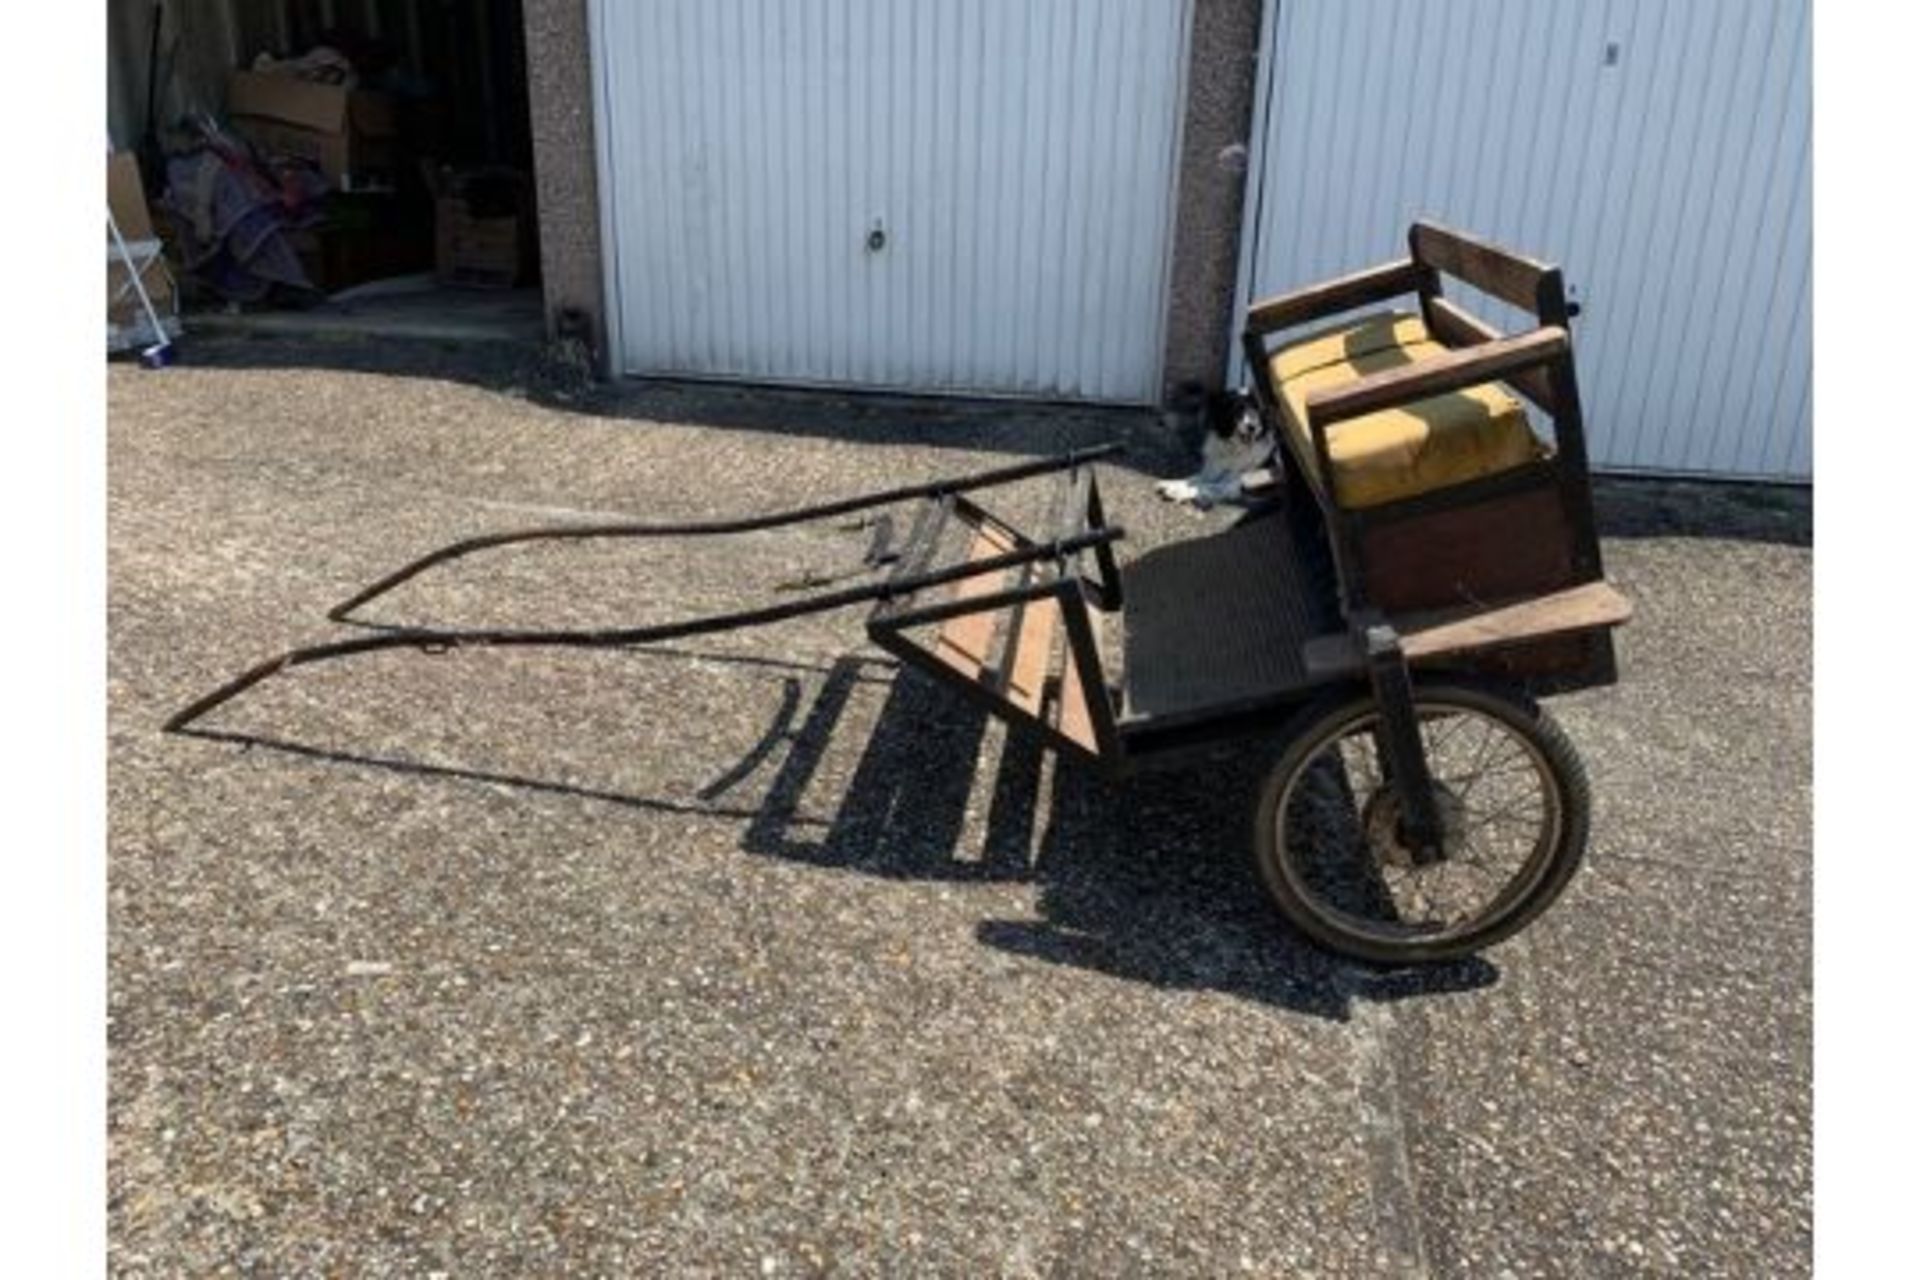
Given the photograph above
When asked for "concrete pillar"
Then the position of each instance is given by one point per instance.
(1223, 61)
(565, 163)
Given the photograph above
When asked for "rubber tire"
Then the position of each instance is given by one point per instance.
(1307, 736)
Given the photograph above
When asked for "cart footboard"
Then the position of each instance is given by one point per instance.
(1016, 637)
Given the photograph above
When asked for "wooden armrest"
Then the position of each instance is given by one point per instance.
(1441, 633)
(1331, 297)
(1488, 362)
(1458, 328)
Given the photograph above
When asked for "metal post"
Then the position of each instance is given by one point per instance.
(1399, 736)
(155, 355)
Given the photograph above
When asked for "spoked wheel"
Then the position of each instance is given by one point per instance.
(1513, 805)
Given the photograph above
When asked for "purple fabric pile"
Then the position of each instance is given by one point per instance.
(235, 217)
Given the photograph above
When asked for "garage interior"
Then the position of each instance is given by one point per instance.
(359, 167)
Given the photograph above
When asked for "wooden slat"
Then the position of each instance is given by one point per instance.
(965, 642)
(1333, 296)
(1490, 362)
(1076, 719)
(1459, 328)
(1032, 651)
(1597, 604)
(1505, 275)
(1441, 632)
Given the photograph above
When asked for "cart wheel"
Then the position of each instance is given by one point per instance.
(1514, 809)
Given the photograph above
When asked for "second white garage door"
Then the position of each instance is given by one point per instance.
(912, 194)
(1660, 151)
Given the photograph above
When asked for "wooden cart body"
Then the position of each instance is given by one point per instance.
(1195, 643)
(1496, 573)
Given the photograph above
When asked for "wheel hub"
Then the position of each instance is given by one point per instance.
(1385, 830)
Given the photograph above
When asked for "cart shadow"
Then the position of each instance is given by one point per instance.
(1146, 880)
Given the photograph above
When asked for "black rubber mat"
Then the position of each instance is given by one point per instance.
(1217, 623)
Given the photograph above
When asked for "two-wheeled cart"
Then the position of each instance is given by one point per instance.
(1430, 568)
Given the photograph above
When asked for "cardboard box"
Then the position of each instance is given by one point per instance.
(127, 323)
(486, 253)
(123, 304)
(127, 197)
(349, 133)
(323, 108)
(482, 227)
(349, 163)
(346, 252)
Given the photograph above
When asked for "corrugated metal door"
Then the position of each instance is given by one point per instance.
(915, 194)
(1660, 150)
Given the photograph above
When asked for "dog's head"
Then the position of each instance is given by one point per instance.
(1232, 416)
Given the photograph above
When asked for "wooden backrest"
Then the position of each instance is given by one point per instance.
(1511, 277)
(1527, 283)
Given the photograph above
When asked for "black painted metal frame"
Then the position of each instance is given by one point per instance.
(941, 493)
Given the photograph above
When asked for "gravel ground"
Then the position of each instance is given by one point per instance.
(497, 964)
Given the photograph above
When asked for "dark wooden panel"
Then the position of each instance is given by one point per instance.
(1555, 664)
(1506, 275)
(1502, 548)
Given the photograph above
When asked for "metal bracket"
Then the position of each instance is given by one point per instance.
(1077, 509)
(1104, 586)
(882, 550)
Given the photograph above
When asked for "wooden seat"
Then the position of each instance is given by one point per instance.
(1405, 430)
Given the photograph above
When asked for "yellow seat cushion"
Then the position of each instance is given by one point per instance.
(1398, 453)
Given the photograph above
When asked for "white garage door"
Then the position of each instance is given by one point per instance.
(915, 194)
(1659, 150)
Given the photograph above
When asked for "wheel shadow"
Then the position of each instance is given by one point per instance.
(1147, 880)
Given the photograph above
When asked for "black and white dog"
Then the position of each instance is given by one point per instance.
(1237, 441)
